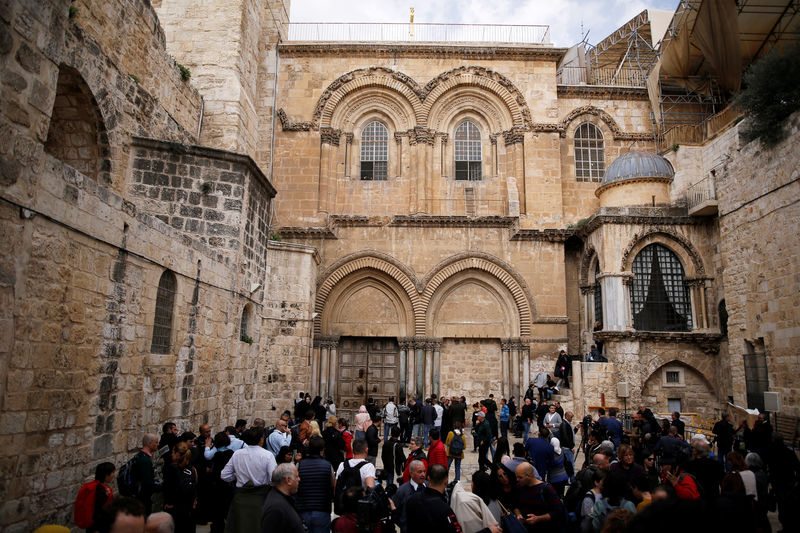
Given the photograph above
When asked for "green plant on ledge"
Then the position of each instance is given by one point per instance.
(246, 338)
(675, 147)
(134, 77)
(275, 237)
(73, 11)
(185, 73)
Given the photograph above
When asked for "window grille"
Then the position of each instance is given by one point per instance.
(468, 151)
(374, 152)
(162, 323)
(590, 153)
(659, 296)
(598, 296)
(673, 376)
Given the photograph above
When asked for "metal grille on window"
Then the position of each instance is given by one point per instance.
(598, 297)
(468, 151)
(374, 151)
(659, 295)
(590, 153)
(162, 323)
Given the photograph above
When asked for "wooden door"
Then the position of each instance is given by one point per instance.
(368, 368)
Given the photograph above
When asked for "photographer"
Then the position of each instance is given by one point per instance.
(350, 521)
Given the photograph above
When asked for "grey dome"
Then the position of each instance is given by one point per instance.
(638, 164)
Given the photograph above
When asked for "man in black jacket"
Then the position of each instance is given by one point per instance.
(427, 510)
(392, 455)
(279, 514)
(373, 439)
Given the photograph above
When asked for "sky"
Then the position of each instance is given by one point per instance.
(565, 17)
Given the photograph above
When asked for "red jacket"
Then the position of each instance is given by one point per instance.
(411, 458)
(437, 454)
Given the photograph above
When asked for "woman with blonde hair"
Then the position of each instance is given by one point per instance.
(334, 443)
(180, 488)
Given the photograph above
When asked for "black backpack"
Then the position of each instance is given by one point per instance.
(127, 481)
(404, 415)
(457, 444)
(350, 477)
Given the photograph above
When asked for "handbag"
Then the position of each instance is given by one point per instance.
(510, 522)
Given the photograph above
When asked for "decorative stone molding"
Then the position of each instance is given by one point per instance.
(287, 125)
(602, 92)
(587, 289)
(708, 342)
(421, 135)
(547, 235)
(670, 235)
(605, 117)
(481, 77)
(588, 256)
(514, 136)
(546, 340)
(641, 216)
(551, 320)
(443, 221)
(356, 221)
(305, 232)
(493, 138)
(326, 341)
(330, 136)
(544, 127)
(494, 266)
(406, 343)
(348, 138)
(426, 50)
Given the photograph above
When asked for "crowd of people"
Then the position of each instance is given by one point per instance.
(312, 471)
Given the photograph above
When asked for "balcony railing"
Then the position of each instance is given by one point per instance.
(701, 197)
(699, 133)
(624, 77)
(406, 32)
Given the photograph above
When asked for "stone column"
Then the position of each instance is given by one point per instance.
(697, 303)
(505, 351)
(525, 350)
(406, 379)
(588, 316)
(437, 346)
(516, 368)
(329, 143)
(315, 360)
(324, 365)
(348, 154)
(579, 403)
(419, 346)
(616, 302)
(333, 367)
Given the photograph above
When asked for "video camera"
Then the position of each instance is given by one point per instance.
(373, 509)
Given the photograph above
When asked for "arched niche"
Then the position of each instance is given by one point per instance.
(675, 242)
(368, 303)
(472, 304)
(449, 107)
(392, 106)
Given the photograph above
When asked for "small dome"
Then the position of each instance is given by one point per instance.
(638, 164)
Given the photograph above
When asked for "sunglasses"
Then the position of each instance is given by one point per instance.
(650, 458)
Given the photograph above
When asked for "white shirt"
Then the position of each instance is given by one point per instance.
(368, 470)
(250, 463)
(439, 410)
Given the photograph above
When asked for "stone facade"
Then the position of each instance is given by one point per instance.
(119, 179)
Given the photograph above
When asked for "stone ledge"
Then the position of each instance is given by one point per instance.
(393, 49)
(708, 341)
(602, 91)
(548, 235)
(310, 232)
(491, 221)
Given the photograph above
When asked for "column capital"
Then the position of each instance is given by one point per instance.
(587, 289)
(326, 341)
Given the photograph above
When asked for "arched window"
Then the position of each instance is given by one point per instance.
(598, 297)
(590, 153)
(468, 151)
(374, 151)
(723, 318)
(162, 323)
(243, 325)
(659, 295)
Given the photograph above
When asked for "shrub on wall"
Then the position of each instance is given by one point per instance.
(771, 93)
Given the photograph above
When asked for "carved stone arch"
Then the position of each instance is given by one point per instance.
(446, 110)
(677, 243)
(588, 259)
(484, 78)
(599, 114)
(487, 263)
(704, 366)
(397, 111)
(363, 78)
(376, 261)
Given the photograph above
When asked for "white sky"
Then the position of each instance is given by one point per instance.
(599, 17)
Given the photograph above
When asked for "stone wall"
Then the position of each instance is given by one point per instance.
(470, 367)
(758, 194)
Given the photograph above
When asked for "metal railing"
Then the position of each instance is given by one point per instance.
(624, 77)
(700, 132)
(407, 32)
(700, 192)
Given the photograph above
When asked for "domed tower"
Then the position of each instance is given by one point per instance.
(635, 179)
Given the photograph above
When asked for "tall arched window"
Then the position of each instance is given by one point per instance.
(468, 151)
(659, 295)
(590, 153)
(165, 304)
(598, 297)
(374, 151)
(244, 330)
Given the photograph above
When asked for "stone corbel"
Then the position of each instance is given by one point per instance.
(330, 136)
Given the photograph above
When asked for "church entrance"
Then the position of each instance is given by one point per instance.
(368, 368)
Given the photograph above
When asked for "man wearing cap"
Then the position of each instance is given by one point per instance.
(483, 436)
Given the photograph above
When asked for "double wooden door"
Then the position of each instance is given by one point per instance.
(368, 369)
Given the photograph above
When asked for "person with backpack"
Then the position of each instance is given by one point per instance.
(180, 488)
(353, 473)
(455, 448)
(615, 485)
(404, 420)
(137, 478)
(93, 496)
(393, 456)
(390, 416)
